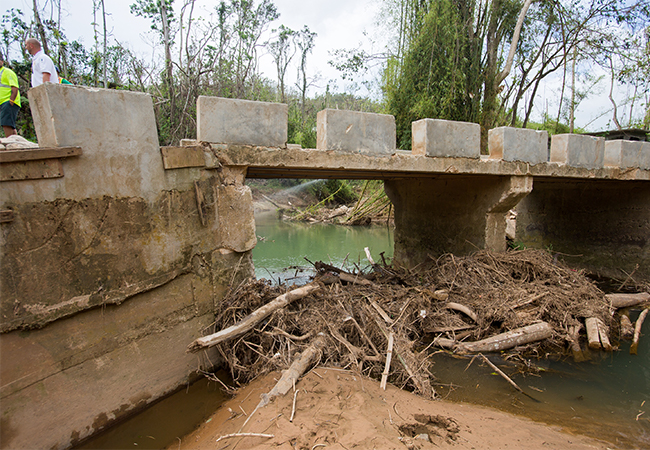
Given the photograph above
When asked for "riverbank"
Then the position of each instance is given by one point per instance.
(338, 409)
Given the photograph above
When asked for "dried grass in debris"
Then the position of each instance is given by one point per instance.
(504, 290)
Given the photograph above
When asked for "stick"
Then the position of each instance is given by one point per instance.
(637, 332)
(369, 256)
(234, 435)
(462, 308)
(293, 409)
(252, 319)
(389, 356)
(506, 377)
(381, 312)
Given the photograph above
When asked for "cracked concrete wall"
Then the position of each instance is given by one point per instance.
(108, 273)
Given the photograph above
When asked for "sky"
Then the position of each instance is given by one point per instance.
(338, 23)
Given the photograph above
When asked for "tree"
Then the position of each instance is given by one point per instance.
(283, 49)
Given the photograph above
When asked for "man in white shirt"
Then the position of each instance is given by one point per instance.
(43, 69)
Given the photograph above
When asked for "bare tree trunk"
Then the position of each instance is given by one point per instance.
(573, 91)
(40, 28)
(611, 98)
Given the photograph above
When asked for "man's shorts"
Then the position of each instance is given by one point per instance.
(8, 114)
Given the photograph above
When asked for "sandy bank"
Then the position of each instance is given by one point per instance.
(340, 410)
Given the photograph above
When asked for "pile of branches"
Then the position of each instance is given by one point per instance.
(362, 320)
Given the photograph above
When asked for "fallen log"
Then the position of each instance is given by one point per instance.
(627, 329)
(291, 375)
(252, 319)
(504, 341)
(597, 334)
(637, 332)
(626, 300)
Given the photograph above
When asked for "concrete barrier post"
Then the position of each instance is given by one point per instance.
(518, 144)
(578, 150)
(233, 121)
(446, 138)
(627, 154)
(356, 132)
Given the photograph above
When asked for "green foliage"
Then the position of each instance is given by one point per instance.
(334, 191)
(439, 77)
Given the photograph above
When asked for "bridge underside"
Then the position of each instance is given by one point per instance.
(459, 205)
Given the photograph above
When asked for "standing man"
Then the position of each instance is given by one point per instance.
(9, 99)
(43, 69)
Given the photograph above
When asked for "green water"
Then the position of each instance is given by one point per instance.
(283, 246)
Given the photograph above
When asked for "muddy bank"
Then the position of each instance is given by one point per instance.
(337, 409)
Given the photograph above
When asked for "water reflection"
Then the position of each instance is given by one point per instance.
(282, 247)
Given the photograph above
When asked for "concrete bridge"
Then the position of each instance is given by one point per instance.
(115, 253)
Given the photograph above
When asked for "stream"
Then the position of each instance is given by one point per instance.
(607, 397)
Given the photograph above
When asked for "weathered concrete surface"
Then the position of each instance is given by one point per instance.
(233, 121)
(605, 225)
(357, 132)
(578, 150)
(627, 154)
(123, 163)
(446, 138)
(267, 162)
(458, 214)
(518, 144)
(107, 273)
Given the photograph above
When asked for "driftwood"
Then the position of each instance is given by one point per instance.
(637, 332)
(597, 334)
(627, 329)
(291, 375)
(504, 341)
(236, 435)
(403, 353)
(506, 377)
(389, 356)
(626, 300)
(342, 274)
(574, 340)
(462, 308)
(252, 319)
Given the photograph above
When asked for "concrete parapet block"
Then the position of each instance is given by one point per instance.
(577, 150)
(232, 121)
(356, 132)
(446, 138)
(117, 133)
(627, 154)
(518, 144)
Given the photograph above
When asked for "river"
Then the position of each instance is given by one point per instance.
(606, 397)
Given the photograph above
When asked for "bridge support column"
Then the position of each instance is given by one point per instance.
(452, 214)
(603, 224)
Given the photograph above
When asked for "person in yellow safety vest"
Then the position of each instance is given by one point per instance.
(9, 99)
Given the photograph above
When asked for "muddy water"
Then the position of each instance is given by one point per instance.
(164, 422)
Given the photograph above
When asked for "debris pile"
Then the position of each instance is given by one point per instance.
(385, 322)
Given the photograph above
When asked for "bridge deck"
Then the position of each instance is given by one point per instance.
(273, 162)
